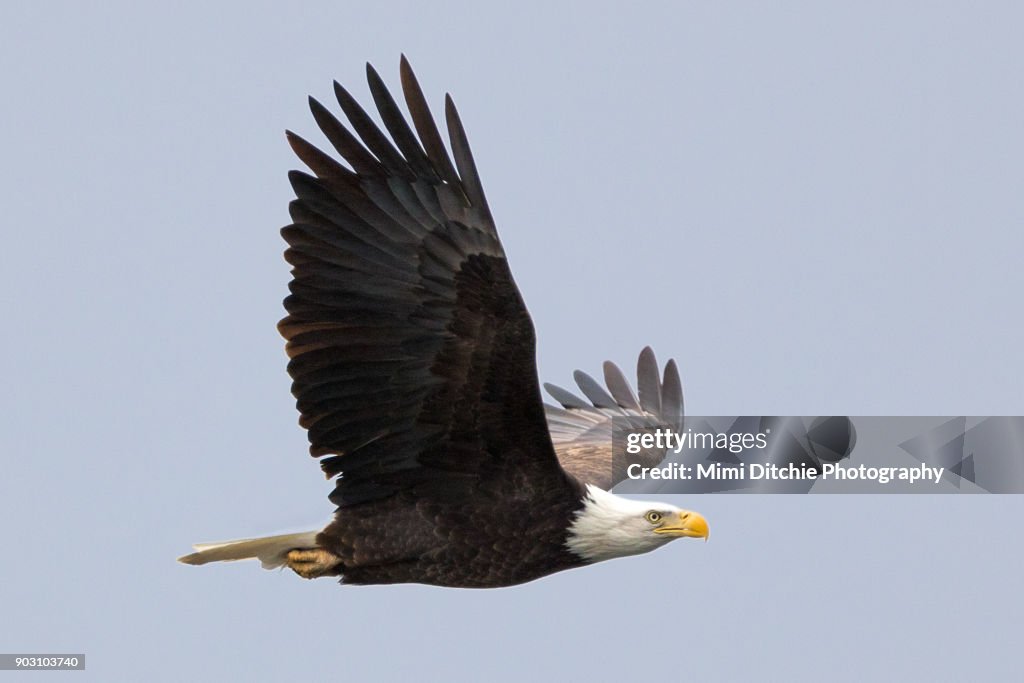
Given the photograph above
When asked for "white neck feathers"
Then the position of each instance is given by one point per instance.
(610, 526)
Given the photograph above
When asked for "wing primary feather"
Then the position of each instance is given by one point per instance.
(593, 390)
(396, 124)
(347, 145)
(672, 395)
(648, 382)
(372, 136)
(619, 387)
(423, 120)
(566, 398)
(464, 157)
(318, 162)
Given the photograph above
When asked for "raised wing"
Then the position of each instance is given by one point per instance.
(412, 352)
(583, 429)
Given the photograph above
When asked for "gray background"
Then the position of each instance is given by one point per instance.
(833, 191)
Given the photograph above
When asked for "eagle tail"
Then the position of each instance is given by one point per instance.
(271, 551)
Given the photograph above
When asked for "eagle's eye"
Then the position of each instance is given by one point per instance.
(653, 517)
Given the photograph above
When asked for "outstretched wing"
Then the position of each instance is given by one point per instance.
(582, 430)
(412, 352)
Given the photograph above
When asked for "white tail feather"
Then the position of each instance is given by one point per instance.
(271, 551)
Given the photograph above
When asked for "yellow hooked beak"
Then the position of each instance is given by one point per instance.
(688, 525)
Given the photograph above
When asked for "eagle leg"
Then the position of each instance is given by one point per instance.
(311, 563)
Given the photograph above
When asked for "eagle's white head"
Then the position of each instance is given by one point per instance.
(610, 526)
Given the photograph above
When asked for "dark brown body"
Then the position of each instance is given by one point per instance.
(467, 546)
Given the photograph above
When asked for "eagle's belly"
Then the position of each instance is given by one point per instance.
(455, 546)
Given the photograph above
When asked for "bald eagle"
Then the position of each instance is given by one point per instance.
(413, 360)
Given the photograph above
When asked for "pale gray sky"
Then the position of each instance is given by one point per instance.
(815, 209)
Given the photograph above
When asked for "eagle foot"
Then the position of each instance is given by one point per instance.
(310, 563)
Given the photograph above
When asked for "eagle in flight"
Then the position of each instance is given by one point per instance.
(413, 360)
